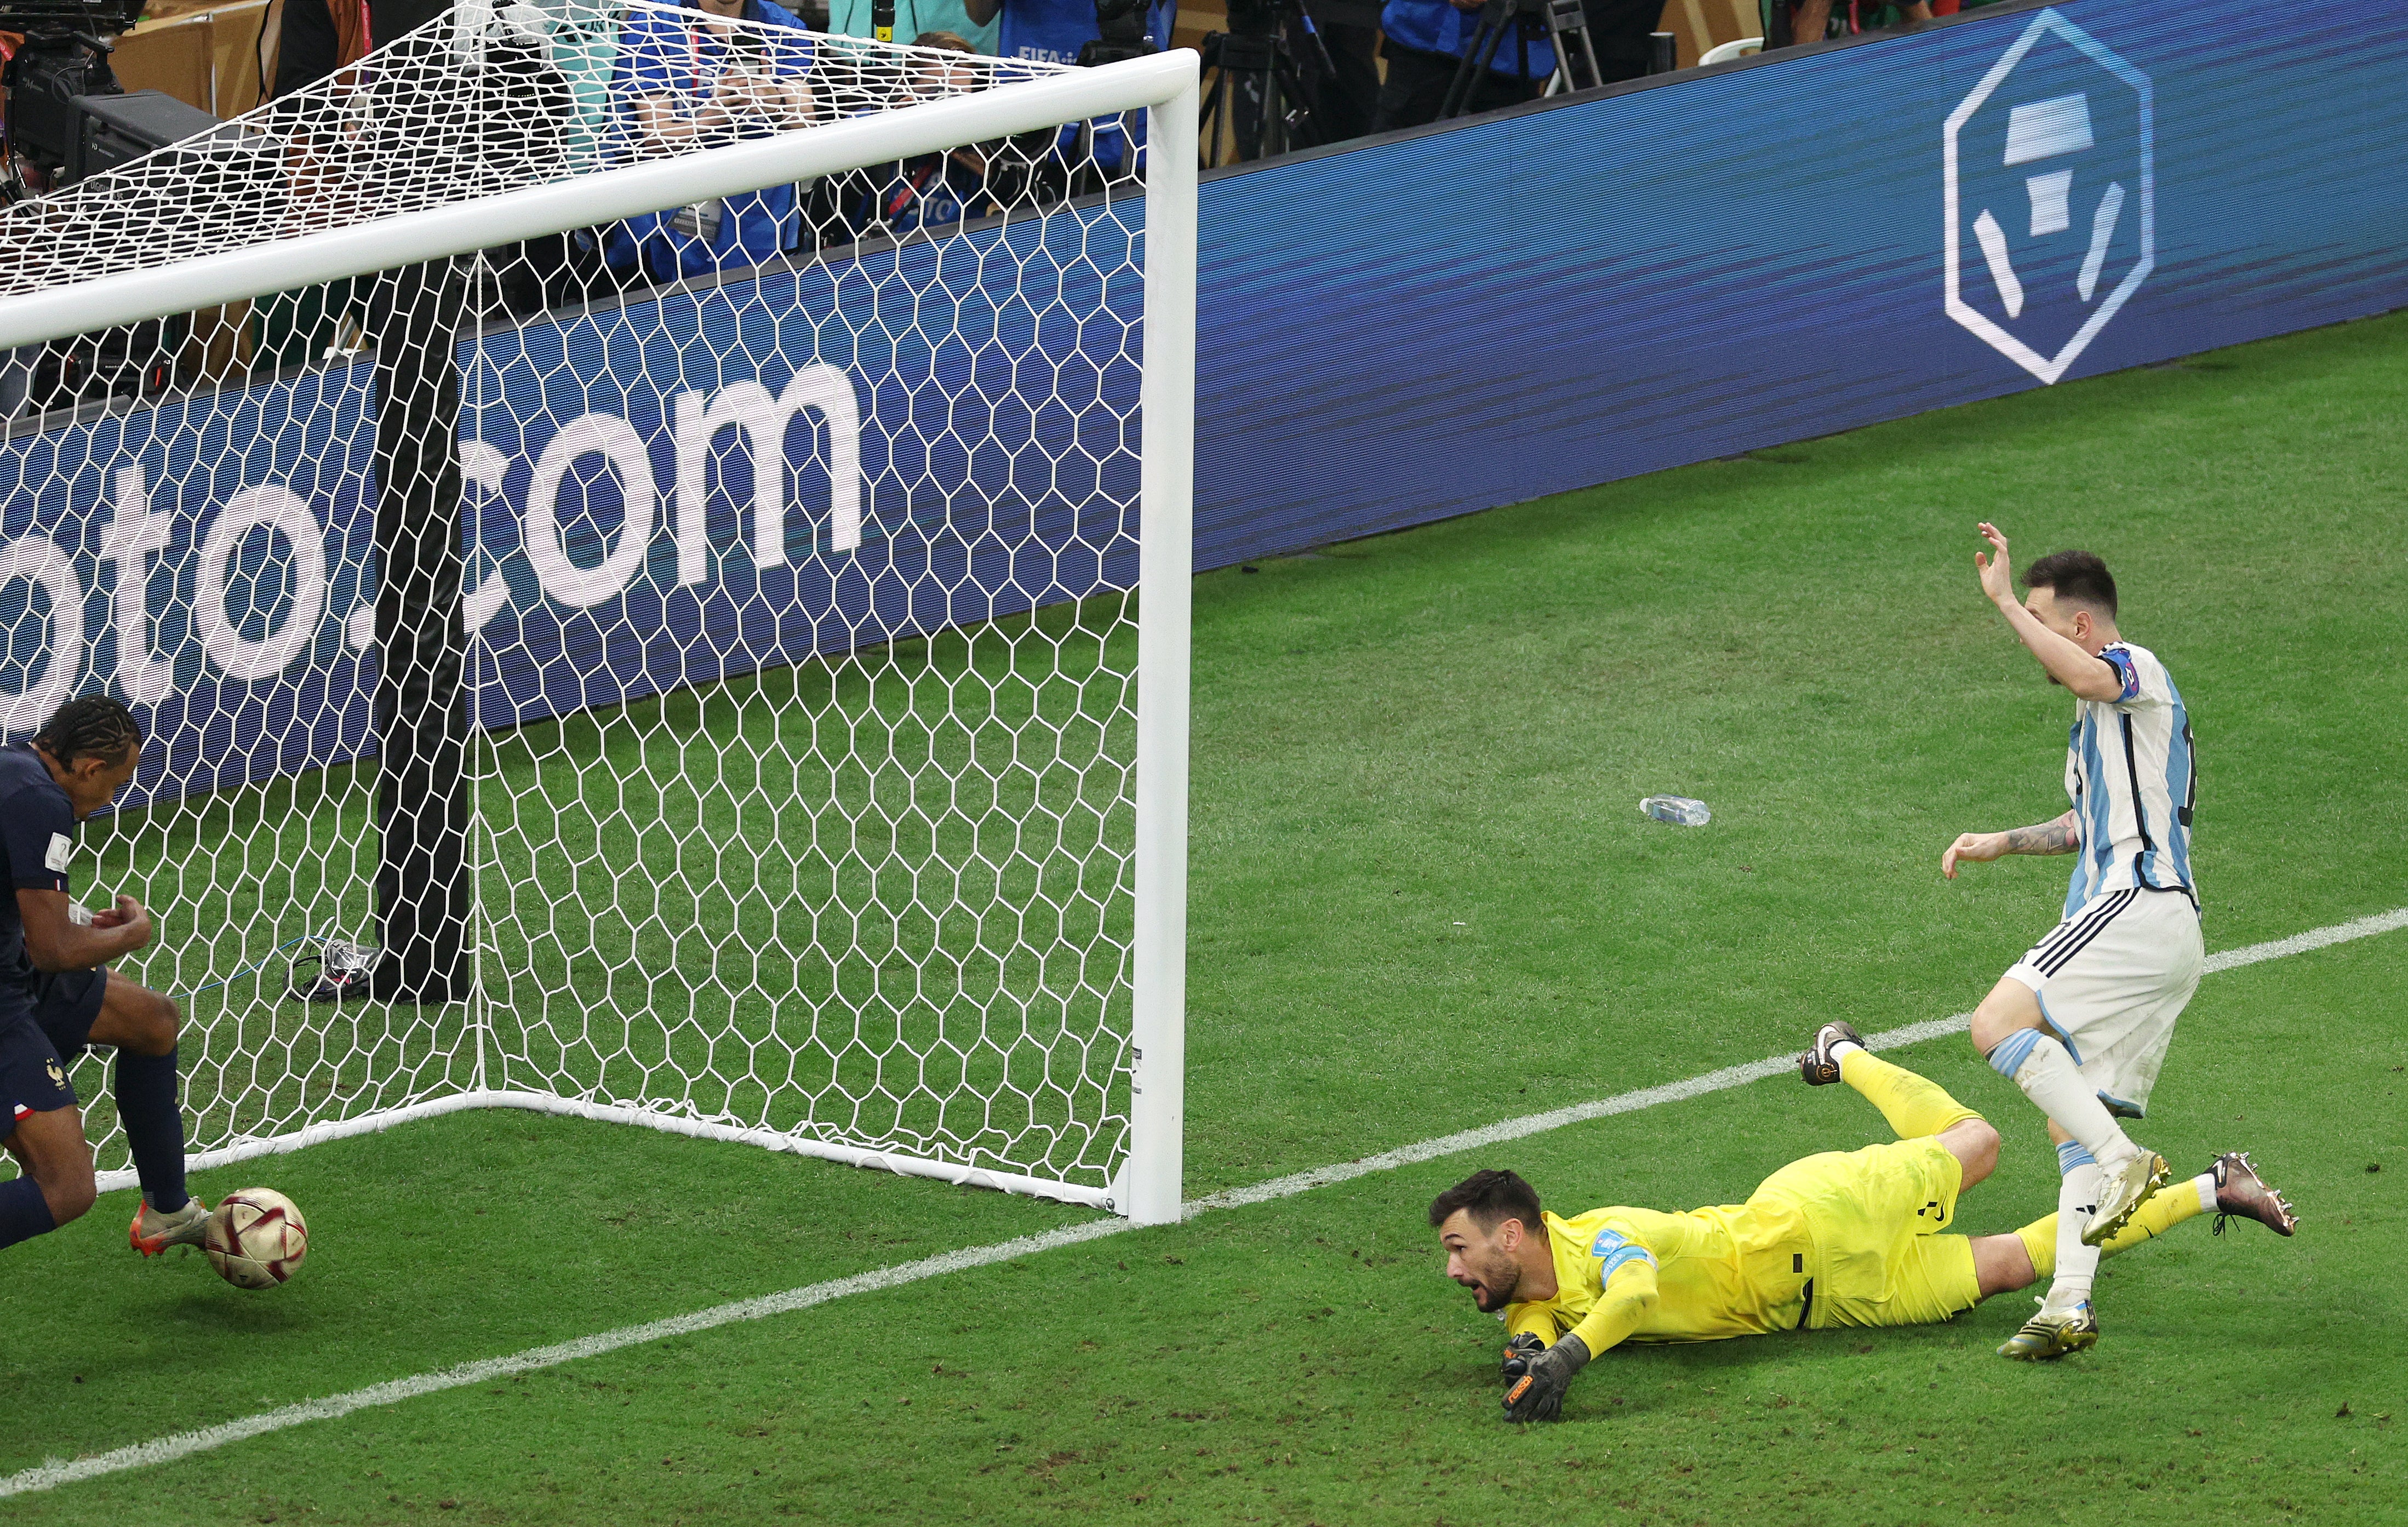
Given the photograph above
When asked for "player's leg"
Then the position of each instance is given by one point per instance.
(2113, 977)
(2022, 1258)
(1974, 1143)
(1915, 1106)
(2230, 1189)
(2013, 1033)
(55, 1185)
(143, 1026)
(43, 1129)
(2003, 1264)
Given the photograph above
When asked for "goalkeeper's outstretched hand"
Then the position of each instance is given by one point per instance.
(1537, 1395)
(1520, 1348)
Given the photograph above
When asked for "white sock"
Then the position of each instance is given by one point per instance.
(2205, 1183)
(2036, 1062)
(2077, 1195)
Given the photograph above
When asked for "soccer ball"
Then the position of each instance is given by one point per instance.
(256, 1238)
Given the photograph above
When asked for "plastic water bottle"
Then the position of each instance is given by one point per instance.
(1677, 809)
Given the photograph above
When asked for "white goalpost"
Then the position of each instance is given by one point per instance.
(656, 548)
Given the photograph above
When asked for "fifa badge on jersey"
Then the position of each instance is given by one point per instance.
(61, 847)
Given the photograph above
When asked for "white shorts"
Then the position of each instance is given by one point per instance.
(2112, 980)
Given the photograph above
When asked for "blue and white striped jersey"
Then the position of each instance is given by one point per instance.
(2129, 771)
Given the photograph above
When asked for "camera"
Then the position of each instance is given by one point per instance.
(54, 125)
(1120, 33)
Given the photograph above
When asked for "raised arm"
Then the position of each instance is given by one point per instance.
(2089, 675)
(2063, 835)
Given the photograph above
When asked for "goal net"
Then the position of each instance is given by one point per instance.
(652, 555)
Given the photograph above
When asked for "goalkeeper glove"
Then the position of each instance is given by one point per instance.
(1537, 1395)
(1520, 1348)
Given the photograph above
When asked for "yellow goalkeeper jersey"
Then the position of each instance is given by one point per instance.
(1731, 1270)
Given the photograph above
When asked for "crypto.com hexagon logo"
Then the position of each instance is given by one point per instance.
(2050, 169)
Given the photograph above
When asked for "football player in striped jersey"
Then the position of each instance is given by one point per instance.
(2082, 1022)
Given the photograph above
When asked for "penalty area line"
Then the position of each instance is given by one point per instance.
(54, 1473)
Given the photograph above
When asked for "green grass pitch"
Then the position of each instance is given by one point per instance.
(1424, 900)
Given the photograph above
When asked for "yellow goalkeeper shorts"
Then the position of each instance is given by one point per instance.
(1874, 1217)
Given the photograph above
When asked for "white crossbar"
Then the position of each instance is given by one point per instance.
(438, 232)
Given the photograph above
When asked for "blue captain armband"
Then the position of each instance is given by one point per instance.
(2126, 671)
(1617, 1252)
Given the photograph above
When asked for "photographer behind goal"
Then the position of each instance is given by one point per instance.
(1427, 40)
(1068, 31)
(1083, 32)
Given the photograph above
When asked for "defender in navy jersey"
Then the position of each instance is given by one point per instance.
(2082, 1022)
(58, 997)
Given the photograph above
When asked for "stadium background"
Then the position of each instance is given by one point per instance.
(1541, 667)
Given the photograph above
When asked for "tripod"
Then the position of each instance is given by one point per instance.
(1259, 92)
(1562, 21)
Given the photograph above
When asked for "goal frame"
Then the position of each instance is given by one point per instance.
(1147, 1187)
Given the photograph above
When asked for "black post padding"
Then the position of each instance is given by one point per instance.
(423, 887)
(1663, 52)
(1777, 32)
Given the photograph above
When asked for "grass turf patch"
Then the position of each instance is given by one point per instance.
(1423, 900)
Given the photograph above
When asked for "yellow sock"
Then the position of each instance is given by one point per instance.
(1915, 1106)
(2164, 1210)
(2040, 1244)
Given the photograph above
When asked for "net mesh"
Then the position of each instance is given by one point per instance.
(694, 655)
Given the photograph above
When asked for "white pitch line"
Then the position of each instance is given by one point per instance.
(2314, 938)
(54, 1473)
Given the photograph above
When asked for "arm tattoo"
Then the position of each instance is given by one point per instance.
(2063, 835)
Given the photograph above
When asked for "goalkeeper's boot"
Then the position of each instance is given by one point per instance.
(2053, 1333)
(1818, 1065)
(2124, 1186)
(2241, 1193)
(152, 1232)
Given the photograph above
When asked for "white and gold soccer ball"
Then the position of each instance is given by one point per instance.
(256, 1238)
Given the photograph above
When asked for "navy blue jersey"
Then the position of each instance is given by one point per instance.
(38, 829)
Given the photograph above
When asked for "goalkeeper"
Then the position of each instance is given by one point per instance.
(1839, 1239)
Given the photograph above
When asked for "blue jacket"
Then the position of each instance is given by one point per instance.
(1434, 26)
(1054, 31)
(663, 55)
